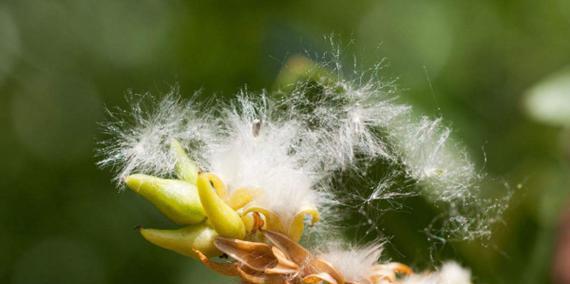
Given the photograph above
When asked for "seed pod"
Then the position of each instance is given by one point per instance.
(225, 220)
(186, 169)
(177, 200)
(185, 240)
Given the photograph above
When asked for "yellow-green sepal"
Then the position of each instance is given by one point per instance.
(177, 200)
(186, 169)
(225, 220)
(184, 240)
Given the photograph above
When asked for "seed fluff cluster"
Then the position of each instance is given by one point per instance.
(289, 146)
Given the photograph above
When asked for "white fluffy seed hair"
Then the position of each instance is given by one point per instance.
(304, 139)
(264, 159)
(139, 138)
(360, 120)
(449, 273)
(353, 262)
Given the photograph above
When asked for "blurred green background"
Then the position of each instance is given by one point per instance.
(493, 69)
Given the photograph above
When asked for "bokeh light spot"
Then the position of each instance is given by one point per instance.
(9, 43)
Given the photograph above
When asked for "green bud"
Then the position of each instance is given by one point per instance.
(177, 200)
(225, 220)
(300, 68)
(186, 169)
(184, 240)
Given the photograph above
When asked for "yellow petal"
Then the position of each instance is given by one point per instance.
(177, 200)
(272, 221)
(185, 240)
(219, 186)
(225, 220)
(297, 226)
(242, 196)
(186, 169)
(249, 222)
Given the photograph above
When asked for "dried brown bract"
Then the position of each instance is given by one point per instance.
(282, 260)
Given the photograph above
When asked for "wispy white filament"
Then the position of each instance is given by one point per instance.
(139, 138)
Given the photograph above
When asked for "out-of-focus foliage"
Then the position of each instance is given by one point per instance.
(472, 62)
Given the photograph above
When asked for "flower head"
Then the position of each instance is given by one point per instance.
(246, 177)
